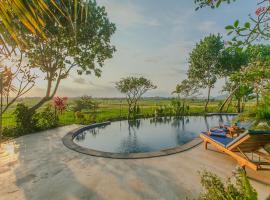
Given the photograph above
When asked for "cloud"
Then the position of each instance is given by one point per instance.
(79, 81)
(99, 91)
(209, 27)
(179, 71)
(127, 14)
(154, 59)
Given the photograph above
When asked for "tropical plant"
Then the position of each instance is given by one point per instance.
(31, 16)
(60, 104)
(179, 107)
(17, 15)
(186, 89)
(263, 110)
(257, 76)
(85, 103)
(26, 120)
(249, 67)
(215, 189)
(82, 43)
(209, 3)
(204, 63)
(46, 119)
(160, 111)
(134, 88)
(232, 59)
(256, 28)
(238, 88)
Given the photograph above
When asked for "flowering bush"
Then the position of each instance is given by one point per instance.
(260, 10)
(60, 104)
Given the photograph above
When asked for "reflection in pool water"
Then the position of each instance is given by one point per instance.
(147, 135)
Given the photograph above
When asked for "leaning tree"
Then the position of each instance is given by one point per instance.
(134, 88)
(80, 42)
(251, 64)
(204, 63)
(232, 60)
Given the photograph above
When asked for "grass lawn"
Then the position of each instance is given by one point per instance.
(115, 108)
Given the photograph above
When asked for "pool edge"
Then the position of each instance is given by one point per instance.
(69, 143)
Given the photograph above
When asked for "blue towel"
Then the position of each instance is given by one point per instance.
(219, 130)
(224, 141)
(218, 133)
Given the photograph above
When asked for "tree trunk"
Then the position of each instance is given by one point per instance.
(49, 95)
(257, 99)
(229, 104)
(227, 99)
(208, 99)
(40, 103)
(129, 110)
(184, 109)
(239, 105)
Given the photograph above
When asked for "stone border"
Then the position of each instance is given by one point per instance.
(69, 143)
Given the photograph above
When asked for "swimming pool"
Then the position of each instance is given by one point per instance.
(142, 135)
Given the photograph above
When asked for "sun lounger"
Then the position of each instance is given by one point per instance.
(249, 142)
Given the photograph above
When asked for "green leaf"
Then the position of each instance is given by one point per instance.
(229, 27)
(242, 29)
(229, 33)
(247, 25)
(218, 3)
(236, 23)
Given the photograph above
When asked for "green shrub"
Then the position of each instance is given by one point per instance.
(26, 120)
(263, 110)
(47, 118)
(85, 103)
(86, 119)
(179, 108)
(160, 111)
(215, 189)
(10, 132)
(29, 122)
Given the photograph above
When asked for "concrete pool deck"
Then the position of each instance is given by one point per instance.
(39, 166)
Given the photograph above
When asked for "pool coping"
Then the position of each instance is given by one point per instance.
(69, 143)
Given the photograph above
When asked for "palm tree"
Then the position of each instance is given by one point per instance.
(29, 13)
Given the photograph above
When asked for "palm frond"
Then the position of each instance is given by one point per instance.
(29, 13)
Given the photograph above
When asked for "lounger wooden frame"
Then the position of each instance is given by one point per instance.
(238, 150)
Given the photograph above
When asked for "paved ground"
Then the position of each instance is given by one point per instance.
(41, 167)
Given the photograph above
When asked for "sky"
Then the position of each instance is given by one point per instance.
(153, 39)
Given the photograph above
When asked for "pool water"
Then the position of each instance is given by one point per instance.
(147, 135)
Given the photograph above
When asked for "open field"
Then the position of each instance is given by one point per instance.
(117, 108)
